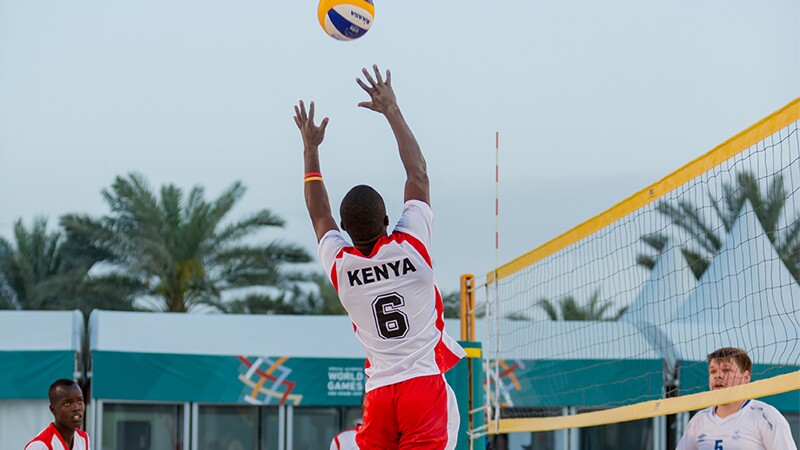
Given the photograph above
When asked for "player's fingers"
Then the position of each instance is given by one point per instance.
(377, 73)
(368, 77)
(363, 85)
(303, 111)
(367, 105)
(323, 125)
(311, 113)
(297, 113)
(388, 77)
(297, 121)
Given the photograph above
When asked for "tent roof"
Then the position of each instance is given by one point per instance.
(693, 341)
(746, 286)
(569, 340)
(228, 334)
(41, 330)
(663, 293)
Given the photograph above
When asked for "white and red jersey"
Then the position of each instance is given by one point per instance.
(756, 426)
(50, 439)
(346, 440)
(390, 295)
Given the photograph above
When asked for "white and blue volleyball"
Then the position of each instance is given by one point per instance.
(346, 20)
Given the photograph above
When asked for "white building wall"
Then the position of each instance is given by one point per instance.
(21, 420)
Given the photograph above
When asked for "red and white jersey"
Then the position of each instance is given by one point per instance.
(50, 439)
(756, 426)
(346, 440)
(390, 295)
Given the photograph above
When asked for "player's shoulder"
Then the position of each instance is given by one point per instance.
(332, 245)
(702, 416)
(418, 205)
(44, 436)
(762, 407)
(41, 441)
(36, 445)
(347, 432)
(416, 221)
(767, 412)
(332, 235)
(704, 413)
(82, 434)
(344, 439)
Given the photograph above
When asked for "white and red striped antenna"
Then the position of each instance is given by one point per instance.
(496, 202)
(496, 307)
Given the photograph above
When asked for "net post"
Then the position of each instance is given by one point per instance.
(467, 307)
(468, 334)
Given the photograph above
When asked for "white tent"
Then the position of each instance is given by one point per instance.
(670, 282)
(746, 296)
(663, 293)
(36, 348)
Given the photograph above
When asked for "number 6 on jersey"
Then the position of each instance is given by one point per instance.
(391, 321)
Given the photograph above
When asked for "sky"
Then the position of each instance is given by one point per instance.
(593, 101)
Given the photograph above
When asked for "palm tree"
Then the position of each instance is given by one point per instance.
(768, 206)
(568, 308)
(42, 270)
(178, 249)
(328, 298)
(452, 305)
(32, 269)
(320, 301)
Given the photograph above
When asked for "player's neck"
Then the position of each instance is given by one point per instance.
(68, 434)
(723, 411)
(365, 246)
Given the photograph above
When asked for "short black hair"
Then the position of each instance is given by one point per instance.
(363, 212)
(62, 382)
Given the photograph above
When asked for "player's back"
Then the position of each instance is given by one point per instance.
(391, 298)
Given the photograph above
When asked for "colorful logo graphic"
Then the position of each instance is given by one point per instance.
(505, 381)
(267, 379)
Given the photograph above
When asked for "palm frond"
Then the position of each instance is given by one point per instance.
(250, 224)
(549, 308)
(686, 217)
(570, 310)
(772, 207)
(698, 264)
(223, 204)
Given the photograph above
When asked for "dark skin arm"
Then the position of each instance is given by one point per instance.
(317, 203)
(383, 100)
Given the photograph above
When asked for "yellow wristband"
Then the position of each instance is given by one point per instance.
(307, 179)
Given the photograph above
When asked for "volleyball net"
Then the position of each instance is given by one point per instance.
(612, 321)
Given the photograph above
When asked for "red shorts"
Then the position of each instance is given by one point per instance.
(420, 413)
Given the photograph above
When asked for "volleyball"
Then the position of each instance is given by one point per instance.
(346, 20)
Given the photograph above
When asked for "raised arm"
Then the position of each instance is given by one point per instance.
(383, 100)
(319, 207)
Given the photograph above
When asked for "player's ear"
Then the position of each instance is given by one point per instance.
(746, 376)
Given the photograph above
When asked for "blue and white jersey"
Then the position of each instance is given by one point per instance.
(756, 426)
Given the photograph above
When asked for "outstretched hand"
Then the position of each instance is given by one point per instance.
(312, 134)
(381, 95)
